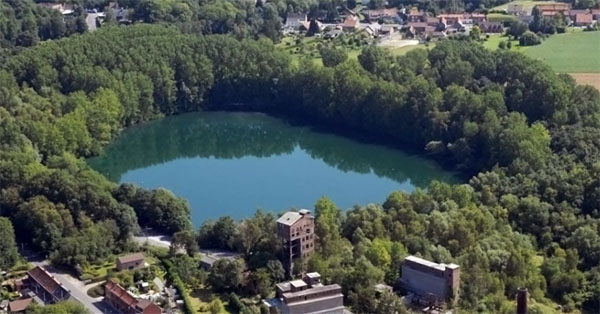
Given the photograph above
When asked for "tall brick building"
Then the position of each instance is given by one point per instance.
(296, 230)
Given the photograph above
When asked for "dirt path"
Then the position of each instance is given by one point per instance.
(592, 79)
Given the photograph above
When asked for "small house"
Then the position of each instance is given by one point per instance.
(19, 306)
(46, 287)
(491, 27)
(416, 16)
(350, 24)
(387, 30)
(295, 20)
(123, 301)
(207, 262)
(583, 19)
(131, 261)
(515, 9)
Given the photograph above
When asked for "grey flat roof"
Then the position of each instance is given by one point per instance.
(298, 283)
(289, 218)
(311, 291)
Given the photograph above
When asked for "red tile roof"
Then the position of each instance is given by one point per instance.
(553, 7)
(584, 18)
(123, 295)
(19, 305)
(44, 279)
(350, 22)
(127, 300)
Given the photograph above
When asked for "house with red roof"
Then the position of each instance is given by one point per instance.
(125, 302)
(19, 306)
(350, 24)
(553, 9)
(46, 287)
(583, 19)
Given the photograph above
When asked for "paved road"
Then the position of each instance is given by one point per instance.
(78, 288)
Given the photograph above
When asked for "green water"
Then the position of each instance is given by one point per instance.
(233, 163)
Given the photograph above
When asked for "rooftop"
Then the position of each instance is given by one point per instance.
(47, 281)
(19, 305)
(313, 275)
(298, 283)
(314, 290)
(430, 264)
(289, 218)
(130, 258)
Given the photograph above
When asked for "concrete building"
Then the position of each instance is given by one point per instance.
(426, 279)
(131, 261)
(124, 302)
(307, 296)
(296, 230)
(46, 287)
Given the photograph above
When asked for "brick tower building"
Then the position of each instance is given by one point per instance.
(296, 230)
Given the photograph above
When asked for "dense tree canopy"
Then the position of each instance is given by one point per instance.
(528, 217)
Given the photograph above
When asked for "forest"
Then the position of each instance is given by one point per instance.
(530, 138)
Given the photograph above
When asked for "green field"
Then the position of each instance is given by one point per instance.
(577, 52)
(499, 17)
(572, 52)
(525, 3)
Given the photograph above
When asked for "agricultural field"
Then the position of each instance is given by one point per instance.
(524, 3)
(575, 52)
(572, 52)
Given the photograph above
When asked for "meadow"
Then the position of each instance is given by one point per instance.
(524, 3)
(572, 52)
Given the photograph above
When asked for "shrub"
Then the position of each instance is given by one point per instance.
(96, 292)
(529, 39)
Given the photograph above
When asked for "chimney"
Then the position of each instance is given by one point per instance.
(522, 301)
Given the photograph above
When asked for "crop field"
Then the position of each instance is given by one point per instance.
(572, 52)
(524, 3)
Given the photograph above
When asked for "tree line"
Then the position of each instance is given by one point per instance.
(529, 136)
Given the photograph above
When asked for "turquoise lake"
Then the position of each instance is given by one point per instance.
(234, 163)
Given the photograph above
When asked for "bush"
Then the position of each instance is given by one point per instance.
(96, 292)
(235, 304)
(529, 39)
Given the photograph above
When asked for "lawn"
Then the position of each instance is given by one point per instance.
(524, 3)
(499, 17)
(494, 40)
(309, 47)
(572, 52)
(403, 50)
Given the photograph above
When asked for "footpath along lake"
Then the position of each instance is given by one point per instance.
(233, 163)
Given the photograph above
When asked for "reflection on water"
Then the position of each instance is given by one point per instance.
(232, 163)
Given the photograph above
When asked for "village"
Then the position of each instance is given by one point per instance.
(396, 28)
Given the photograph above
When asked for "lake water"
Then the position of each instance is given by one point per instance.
(233, 163)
